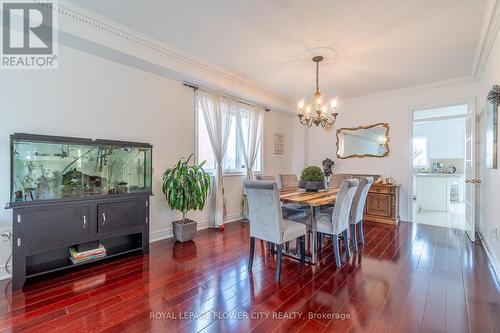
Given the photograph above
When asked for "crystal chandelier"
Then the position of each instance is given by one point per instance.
(320, 115)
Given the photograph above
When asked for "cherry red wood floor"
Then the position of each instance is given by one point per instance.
(410, 278)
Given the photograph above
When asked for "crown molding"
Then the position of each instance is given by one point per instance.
(459, 81)
(488, 34)
(77, 21)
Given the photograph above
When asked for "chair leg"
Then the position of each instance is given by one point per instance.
(252, 248)
(361, 233)
(346, 243)
(278, 263)
(287, 247)
(320, 236)
(336, 250)
(354, 238)
(302, 249)
(271, 248)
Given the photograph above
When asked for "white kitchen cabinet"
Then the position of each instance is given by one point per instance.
(433, 190)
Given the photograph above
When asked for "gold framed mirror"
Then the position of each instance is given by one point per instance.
(363, 141)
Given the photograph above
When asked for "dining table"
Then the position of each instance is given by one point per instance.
(314, 200)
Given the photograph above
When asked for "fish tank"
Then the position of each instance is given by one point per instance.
(57, 168)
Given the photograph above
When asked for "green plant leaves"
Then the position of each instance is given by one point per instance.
(312, 173)
(186, 187)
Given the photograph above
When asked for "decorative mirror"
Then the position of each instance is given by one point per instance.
(492, 105)
(363, 141)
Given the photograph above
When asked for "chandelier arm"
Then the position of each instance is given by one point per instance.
(305, 122)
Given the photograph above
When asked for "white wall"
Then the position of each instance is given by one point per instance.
(89, 96)
(396, 109)
(490, 77)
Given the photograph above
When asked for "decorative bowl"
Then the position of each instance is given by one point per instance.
(312, 186)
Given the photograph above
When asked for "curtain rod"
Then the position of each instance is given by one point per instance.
(195, 87)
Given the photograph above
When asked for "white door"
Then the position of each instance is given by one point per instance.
(470, 173)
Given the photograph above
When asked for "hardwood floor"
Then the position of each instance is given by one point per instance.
(410, 278)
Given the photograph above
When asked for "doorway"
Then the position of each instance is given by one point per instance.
(440, 166)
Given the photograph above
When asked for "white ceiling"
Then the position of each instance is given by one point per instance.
(380, 44)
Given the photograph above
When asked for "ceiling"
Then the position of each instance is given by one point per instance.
(379, 45)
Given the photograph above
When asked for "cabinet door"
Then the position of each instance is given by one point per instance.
(119, 217)
(379, 204)
(49, 228)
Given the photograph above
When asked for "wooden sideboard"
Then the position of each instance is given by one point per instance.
(382, 204)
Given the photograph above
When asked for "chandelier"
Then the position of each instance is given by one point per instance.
(320, 115)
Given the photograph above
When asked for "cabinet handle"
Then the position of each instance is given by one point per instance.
(84, 221)
(18, 242)
(103, 218)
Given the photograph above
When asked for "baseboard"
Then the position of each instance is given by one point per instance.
(495, 263)
(167, 232)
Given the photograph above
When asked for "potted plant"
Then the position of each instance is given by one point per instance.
(186, 187)
(312, 179)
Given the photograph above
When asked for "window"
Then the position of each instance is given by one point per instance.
(234, 162)
(420, 153)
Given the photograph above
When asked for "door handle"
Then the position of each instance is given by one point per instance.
(84, 221)
(467, 181)
(103, 218)
(477, 181)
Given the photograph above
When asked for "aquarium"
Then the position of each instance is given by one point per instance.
(52, 168)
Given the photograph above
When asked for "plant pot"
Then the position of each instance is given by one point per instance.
(312, 186)
(184, 232)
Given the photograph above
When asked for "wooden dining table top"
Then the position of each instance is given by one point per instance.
(315, 199)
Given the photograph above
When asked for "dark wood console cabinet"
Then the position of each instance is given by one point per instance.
(382, 204)
(44, 232)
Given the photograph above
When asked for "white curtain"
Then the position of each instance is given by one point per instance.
(249, 123)
(217, 112)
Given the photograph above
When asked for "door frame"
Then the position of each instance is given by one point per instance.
(471, 105)
(481, 168)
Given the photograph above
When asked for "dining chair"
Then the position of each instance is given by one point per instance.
(301, 212)
(265, 177)
(337, 222)
(267, 223)
(358, 206)
(292, 212)
(289, 181)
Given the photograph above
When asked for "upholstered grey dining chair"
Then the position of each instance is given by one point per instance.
(296, 212)
(289, 181)
(337, 222)
(292, 212)
(358, 206)
(265, 177)
(267, 223)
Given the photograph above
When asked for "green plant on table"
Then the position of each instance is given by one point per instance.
(312, 174)
(186, 187)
